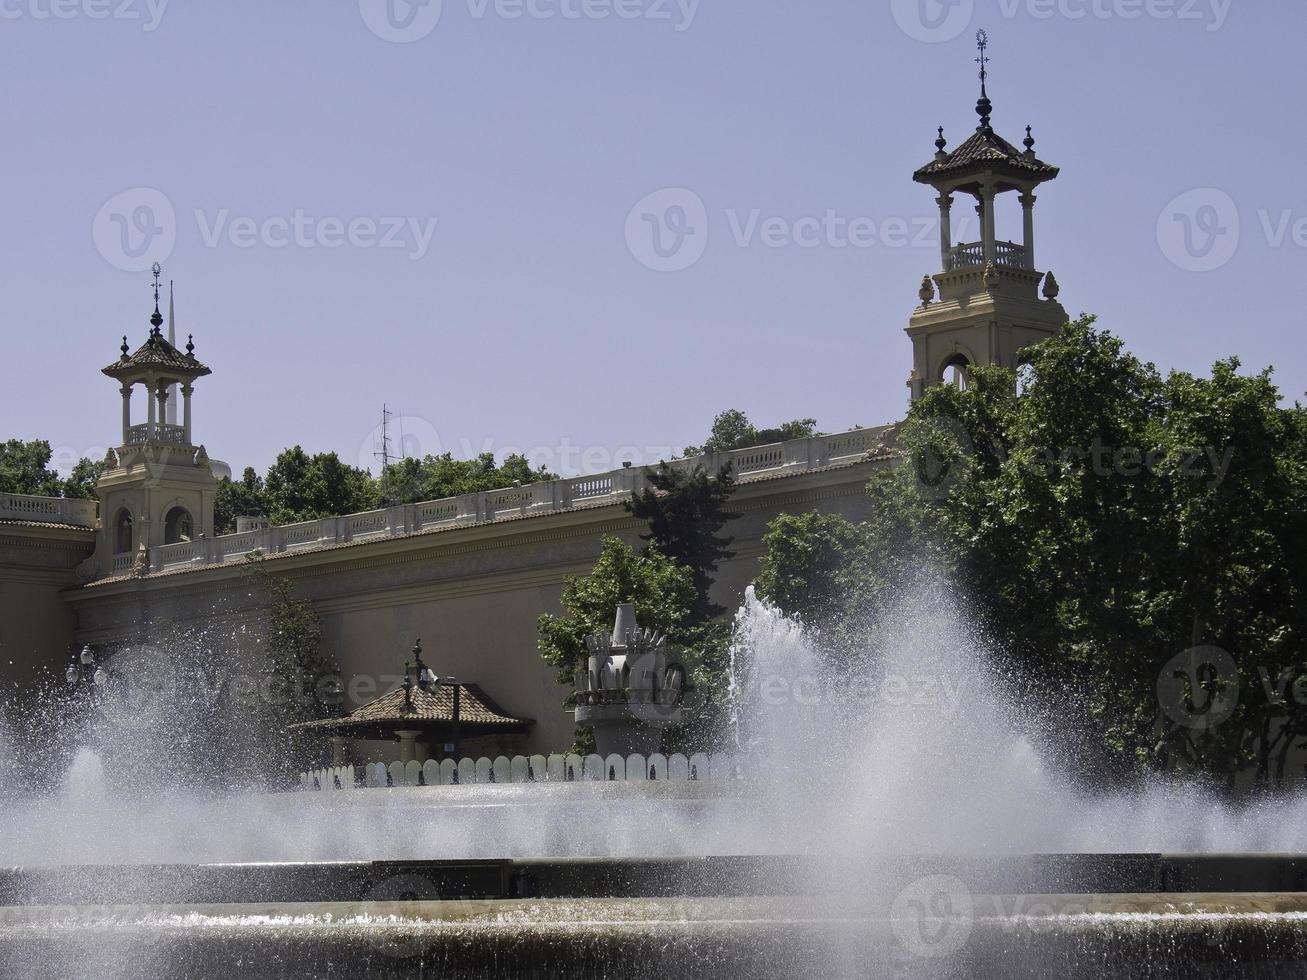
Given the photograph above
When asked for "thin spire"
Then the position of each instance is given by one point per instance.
(983, 106)
(171, 411)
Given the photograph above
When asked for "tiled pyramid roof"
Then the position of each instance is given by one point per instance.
(429, 709)
(158, 353)
(985, 148)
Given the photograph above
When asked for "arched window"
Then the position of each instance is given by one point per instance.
(177, 526)
(122, 532)
(954, 372)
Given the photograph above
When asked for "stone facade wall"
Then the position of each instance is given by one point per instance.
(473, 594)
(37, 626)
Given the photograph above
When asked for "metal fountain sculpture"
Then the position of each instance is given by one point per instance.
(629, 692)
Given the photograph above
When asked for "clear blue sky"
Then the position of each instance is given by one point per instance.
(528, 320)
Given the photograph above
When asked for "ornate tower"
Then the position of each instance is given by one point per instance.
(988, 306)
(159, 487)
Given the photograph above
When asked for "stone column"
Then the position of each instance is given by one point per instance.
(1028, 214)
(163, 404)
(408, 746)
(987, 223)
(945, 202)
(187, 391)
(127, 411)
(152, 397)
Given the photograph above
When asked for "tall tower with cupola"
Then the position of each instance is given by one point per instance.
(158, 487)
(984, 306)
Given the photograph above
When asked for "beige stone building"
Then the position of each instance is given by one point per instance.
(469, 575)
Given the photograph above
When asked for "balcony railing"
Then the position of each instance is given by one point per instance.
(796, 456)
(47, 510)
(972, 256)
(156, 433)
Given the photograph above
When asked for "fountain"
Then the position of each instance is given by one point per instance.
(629, 694)
(895, 817)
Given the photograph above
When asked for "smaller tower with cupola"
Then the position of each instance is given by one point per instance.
(158, 486)
(984, 306)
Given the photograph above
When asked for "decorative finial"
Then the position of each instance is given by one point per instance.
(156, 319)
(940, 143)
(983, 106)
(927, 291)
(1029, 141)
(124, 348)
(190, 345)
(1051, 287)
(990, 276)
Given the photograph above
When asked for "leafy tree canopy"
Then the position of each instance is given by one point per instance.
(300, 487)
(664, 595)
(685, 510)
(733, 430)
(436, 477)
(1101, 519)
(25, 468)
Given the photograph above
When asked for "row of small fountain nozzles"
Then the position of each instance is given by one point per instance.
(629, 666)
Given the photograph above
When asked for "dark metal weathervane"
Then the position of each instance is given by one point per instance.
(983, 107)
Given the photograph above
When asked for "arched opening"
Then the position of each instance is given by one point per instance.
(954, 371)
(122, 532)
(178, 526)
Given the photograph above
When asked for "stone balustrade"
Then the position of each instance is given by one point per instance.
(557, 768)
(475, 508)
(47, 510)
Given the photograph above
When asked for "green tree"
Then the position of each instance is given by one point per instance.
(300, 682)
(437, 477)
(815, 567)
(81, 482)
(246, 497)
(25, 468)
(685, 509)
(301, 487)
(1099, 523)
(733, 430)
(662, 591)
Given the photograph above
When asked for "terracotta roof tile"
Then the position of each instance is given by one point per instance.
(985, 147)
(157, 352)
(475, 708)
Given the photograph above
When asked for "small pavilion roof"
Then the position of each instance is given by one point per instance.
(157, 355)
(389, 713)
(985, 150)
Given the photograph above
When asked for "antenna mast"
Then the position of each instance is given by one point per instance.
(383, 454)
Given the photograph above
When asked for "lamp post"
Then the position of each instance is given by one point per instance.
(425, 679)
(86, 673)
